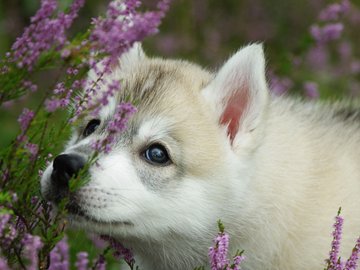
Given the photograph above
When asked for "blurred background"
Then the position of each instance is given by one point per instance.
(208, 31)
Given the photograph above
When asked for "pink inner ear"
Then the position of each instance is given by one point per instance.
(234, 110)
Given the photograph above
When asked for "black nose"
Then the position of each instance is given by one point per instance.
(65, 167)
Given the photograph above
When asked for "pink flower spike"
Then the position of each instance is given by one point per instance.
(32, 246)
(25, 118)
(351, 263)
(33, 150)
(120, 252)
(59, 256)
(334, 262)
(331, 31)
(3, 264)
(82, 261)
(46, 31)
(218, 253)
(311, 90)
(237, 261)
(123, 26)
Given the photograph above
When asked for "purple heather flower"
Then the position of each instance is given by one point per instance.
(59, 88)
(3, 264)
(311, 89)
(82, 261)
(8, 236)
(74, 10)
(30, 85)
(32, 245)
(65, 53)
(46, 10)
(317, 56)
(100, 263)
(119, 123)
(326, 33)
(63, 248)
(280, 85)
(25, 118)
(237, 261)
(97, 241)
(34, 200)
(59, 256)
(46, 31)
(120, 252)
(72, 71)
(76, 84)
(334, 11)
(61, 98)
(20, 226)
(123, 26)
(334, 261)
(218, 253)
(351, 263)
(53, 104)
(7, 104)
(121, 117)
(85, 100)
(56, 262)
(332, 31)
(33, 150)
(4, 219)
(111, 88)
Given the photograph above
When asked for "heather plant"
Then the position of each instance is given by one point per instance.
(32, 235)
(218, 254)
(31, 232)
(335, 262)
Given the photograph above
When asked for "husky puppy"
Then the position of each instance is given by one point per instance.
(206, 146)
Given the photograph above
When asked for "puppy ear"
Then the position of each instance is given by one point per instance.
(239, 93)
(132, 57)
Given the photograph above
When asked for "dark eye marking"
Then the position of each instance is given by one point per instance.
(156, 154)
(91, 127)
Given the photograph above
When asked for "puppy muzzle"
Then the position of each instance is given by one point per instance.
(65, 167)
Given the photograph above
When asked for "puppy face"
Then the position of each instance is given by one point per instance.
(185, 154)
(163, 171)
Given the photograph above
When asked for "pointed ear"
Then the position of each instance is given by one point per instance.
(239, 93)
(132, 57)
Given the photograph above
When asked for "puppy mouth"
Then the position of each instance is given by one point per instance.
(76, 213)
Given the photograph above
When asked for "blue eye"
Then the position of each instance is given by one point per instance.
(156, 154)
(91, 127)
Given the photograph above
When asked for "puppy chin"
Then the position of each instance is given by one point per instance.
(91, 224)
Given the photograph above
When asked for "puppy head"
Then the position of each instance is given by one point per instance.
(178, 160)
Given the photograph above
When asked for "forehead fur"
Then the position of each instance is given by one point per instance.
(170, 90)
(150, 80)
